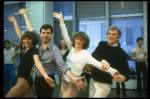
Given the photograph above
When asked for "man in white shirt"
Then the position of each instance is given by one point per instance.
(9, 67)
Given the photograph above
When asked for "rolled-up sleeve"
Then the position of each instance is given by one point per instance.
(59, 60)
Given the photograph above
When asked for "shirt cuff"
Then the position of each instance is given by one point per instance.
(111, 71)
(67, 70)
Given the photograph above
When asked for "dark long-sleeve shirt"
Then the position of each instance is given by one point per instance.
(117, 59)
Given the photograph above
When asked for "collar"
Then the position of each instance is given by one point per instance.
(113, 45)
(49, 47)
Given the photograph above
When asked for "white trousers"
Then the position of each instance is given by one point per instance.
(98, 89)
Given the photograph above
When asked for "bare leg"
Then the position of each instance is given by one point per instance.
(20, 89)
(62, 90)
(70, 93)
(27, 94)
(68, 90)
(59, 74)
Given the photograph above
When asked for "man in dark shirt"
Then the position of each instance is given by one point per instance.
(109, 53)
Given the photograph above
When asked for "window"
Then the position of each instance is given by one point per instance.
(11, 8)
(129, 36)
(131, 29)
(65, 7)
(126, 7)
(91, 9)
(95, 29)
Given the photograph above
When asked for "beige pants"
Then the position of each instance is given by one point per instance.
(98, 89)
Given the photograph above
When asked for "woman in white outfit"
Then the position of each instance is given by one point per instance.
(77, 59)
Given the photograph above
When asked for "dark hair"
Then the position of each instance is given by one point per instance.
(21, 47)
(115, 28)
(139, 38)
(83, 36)
(31, 35)
(59, 46)
(7, 42)
(45, 27)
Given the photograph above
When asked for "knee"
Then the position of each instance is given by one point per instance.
(27, 94)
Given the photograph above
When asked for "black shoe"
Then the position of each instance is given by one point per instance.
(145, 94)
(139, 94)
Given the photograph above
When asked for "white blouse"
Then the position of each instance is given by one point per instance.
(76, 61)
(138, 54)
(8, 55)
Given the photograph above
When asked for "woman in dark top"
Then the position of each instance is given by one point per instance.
(27, 59)
(64, 50)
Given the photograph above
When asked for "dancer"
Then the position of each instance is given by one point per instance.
(77, 58)
(140, 57)
(50, 55)
(110, 53)
(64, 50)
(32, 71)
(27, 60)
(9, 67)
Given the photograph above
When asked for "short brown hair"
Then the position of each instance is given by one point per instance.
(83, 36)
(31, 35)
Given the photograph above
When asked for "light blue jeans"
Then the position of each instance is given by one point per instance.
(9, 76)
(98, 89)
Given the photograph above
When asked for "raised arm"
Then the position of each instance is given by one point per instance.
(27, 20)
(16, 46)
(17, 28)
(63, 29)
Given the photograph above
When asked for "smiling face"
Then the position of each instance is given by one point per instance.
(27, 42)
(79, 42)
(46, 35)
(62, 44)
(113, 37)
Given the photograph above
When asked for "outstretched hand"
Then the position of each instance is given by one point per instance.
(50, 81)
(11, 18)
(79, 83)
(58, 16)
(23, 11)
(118, 78)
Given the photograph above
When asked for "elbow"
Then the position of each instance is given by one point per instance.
(12, 59)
